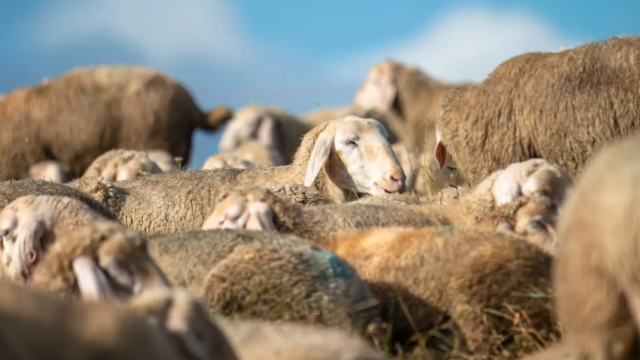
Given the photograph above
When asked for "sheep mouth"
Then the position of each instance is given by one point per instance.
(382, 190)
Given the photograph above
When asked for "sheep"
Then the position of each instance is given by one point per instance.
(256, 208)
(337, 161)
(271, 126)
(122, 164)
(248, 274)
(251, 339)
(250, 151)
(39, 326)
(452, 271)
(50, 170)
(560, 106)
(87, 111)
(165, 161)
(412, 96)
(595, 274)
(61, 245)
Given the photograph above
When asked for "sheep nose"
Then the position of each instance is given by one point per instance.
(396, 182)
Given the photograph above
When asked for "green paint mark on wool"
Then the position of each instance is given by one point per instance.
(338, 266)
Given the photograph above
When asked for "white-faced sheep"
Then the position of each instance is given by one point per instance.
(60, 245)
(559, 106)
(338, 160)
(249, 274)
(122, 164)
(51, 171)
(87, 111)
(595, 275)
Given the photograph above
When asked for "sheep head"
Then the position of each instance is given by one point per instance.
(121, 164)
(534, 176)
(356, 156)
(251, 123)
(378, 91)
(55, 242)
(188, 324)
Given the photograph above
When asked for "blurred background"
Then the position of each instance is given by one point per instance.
(300, 55)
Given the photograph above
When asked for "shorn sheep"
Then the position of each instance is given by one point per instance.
(248, 274)
(122, 164)
(338, 159)
(595, 276)
(60, 245)
(559, 106)
(85, 112)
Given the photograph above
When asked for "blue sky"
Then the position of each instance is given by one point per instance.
(296, 54)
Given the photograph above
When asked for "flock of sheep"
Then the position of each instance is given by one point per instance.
(425, 220)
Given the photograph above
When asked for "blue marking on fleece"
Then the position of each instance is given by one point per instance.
(339, 267)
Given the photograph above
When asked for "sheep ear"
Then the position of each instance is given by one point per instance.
(319, 156)
(268, 133)
(28, 241)
(92, 282)
(378, 92)
(441, 154)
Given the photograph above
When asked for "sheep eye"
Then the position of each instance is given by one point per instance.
(351, 143)
(536, 226)
(119, 271)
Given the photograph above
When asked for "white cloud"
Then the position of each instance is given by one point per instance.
(161, 31)
(465, 44)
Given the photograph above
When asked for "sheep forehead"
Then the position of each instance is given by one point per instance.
(359, 125)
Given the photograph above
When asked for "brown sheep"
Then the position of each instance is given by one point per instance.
(595, 276)
(60, 245)
(559, 106)
(248, 274)
(87, 111)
